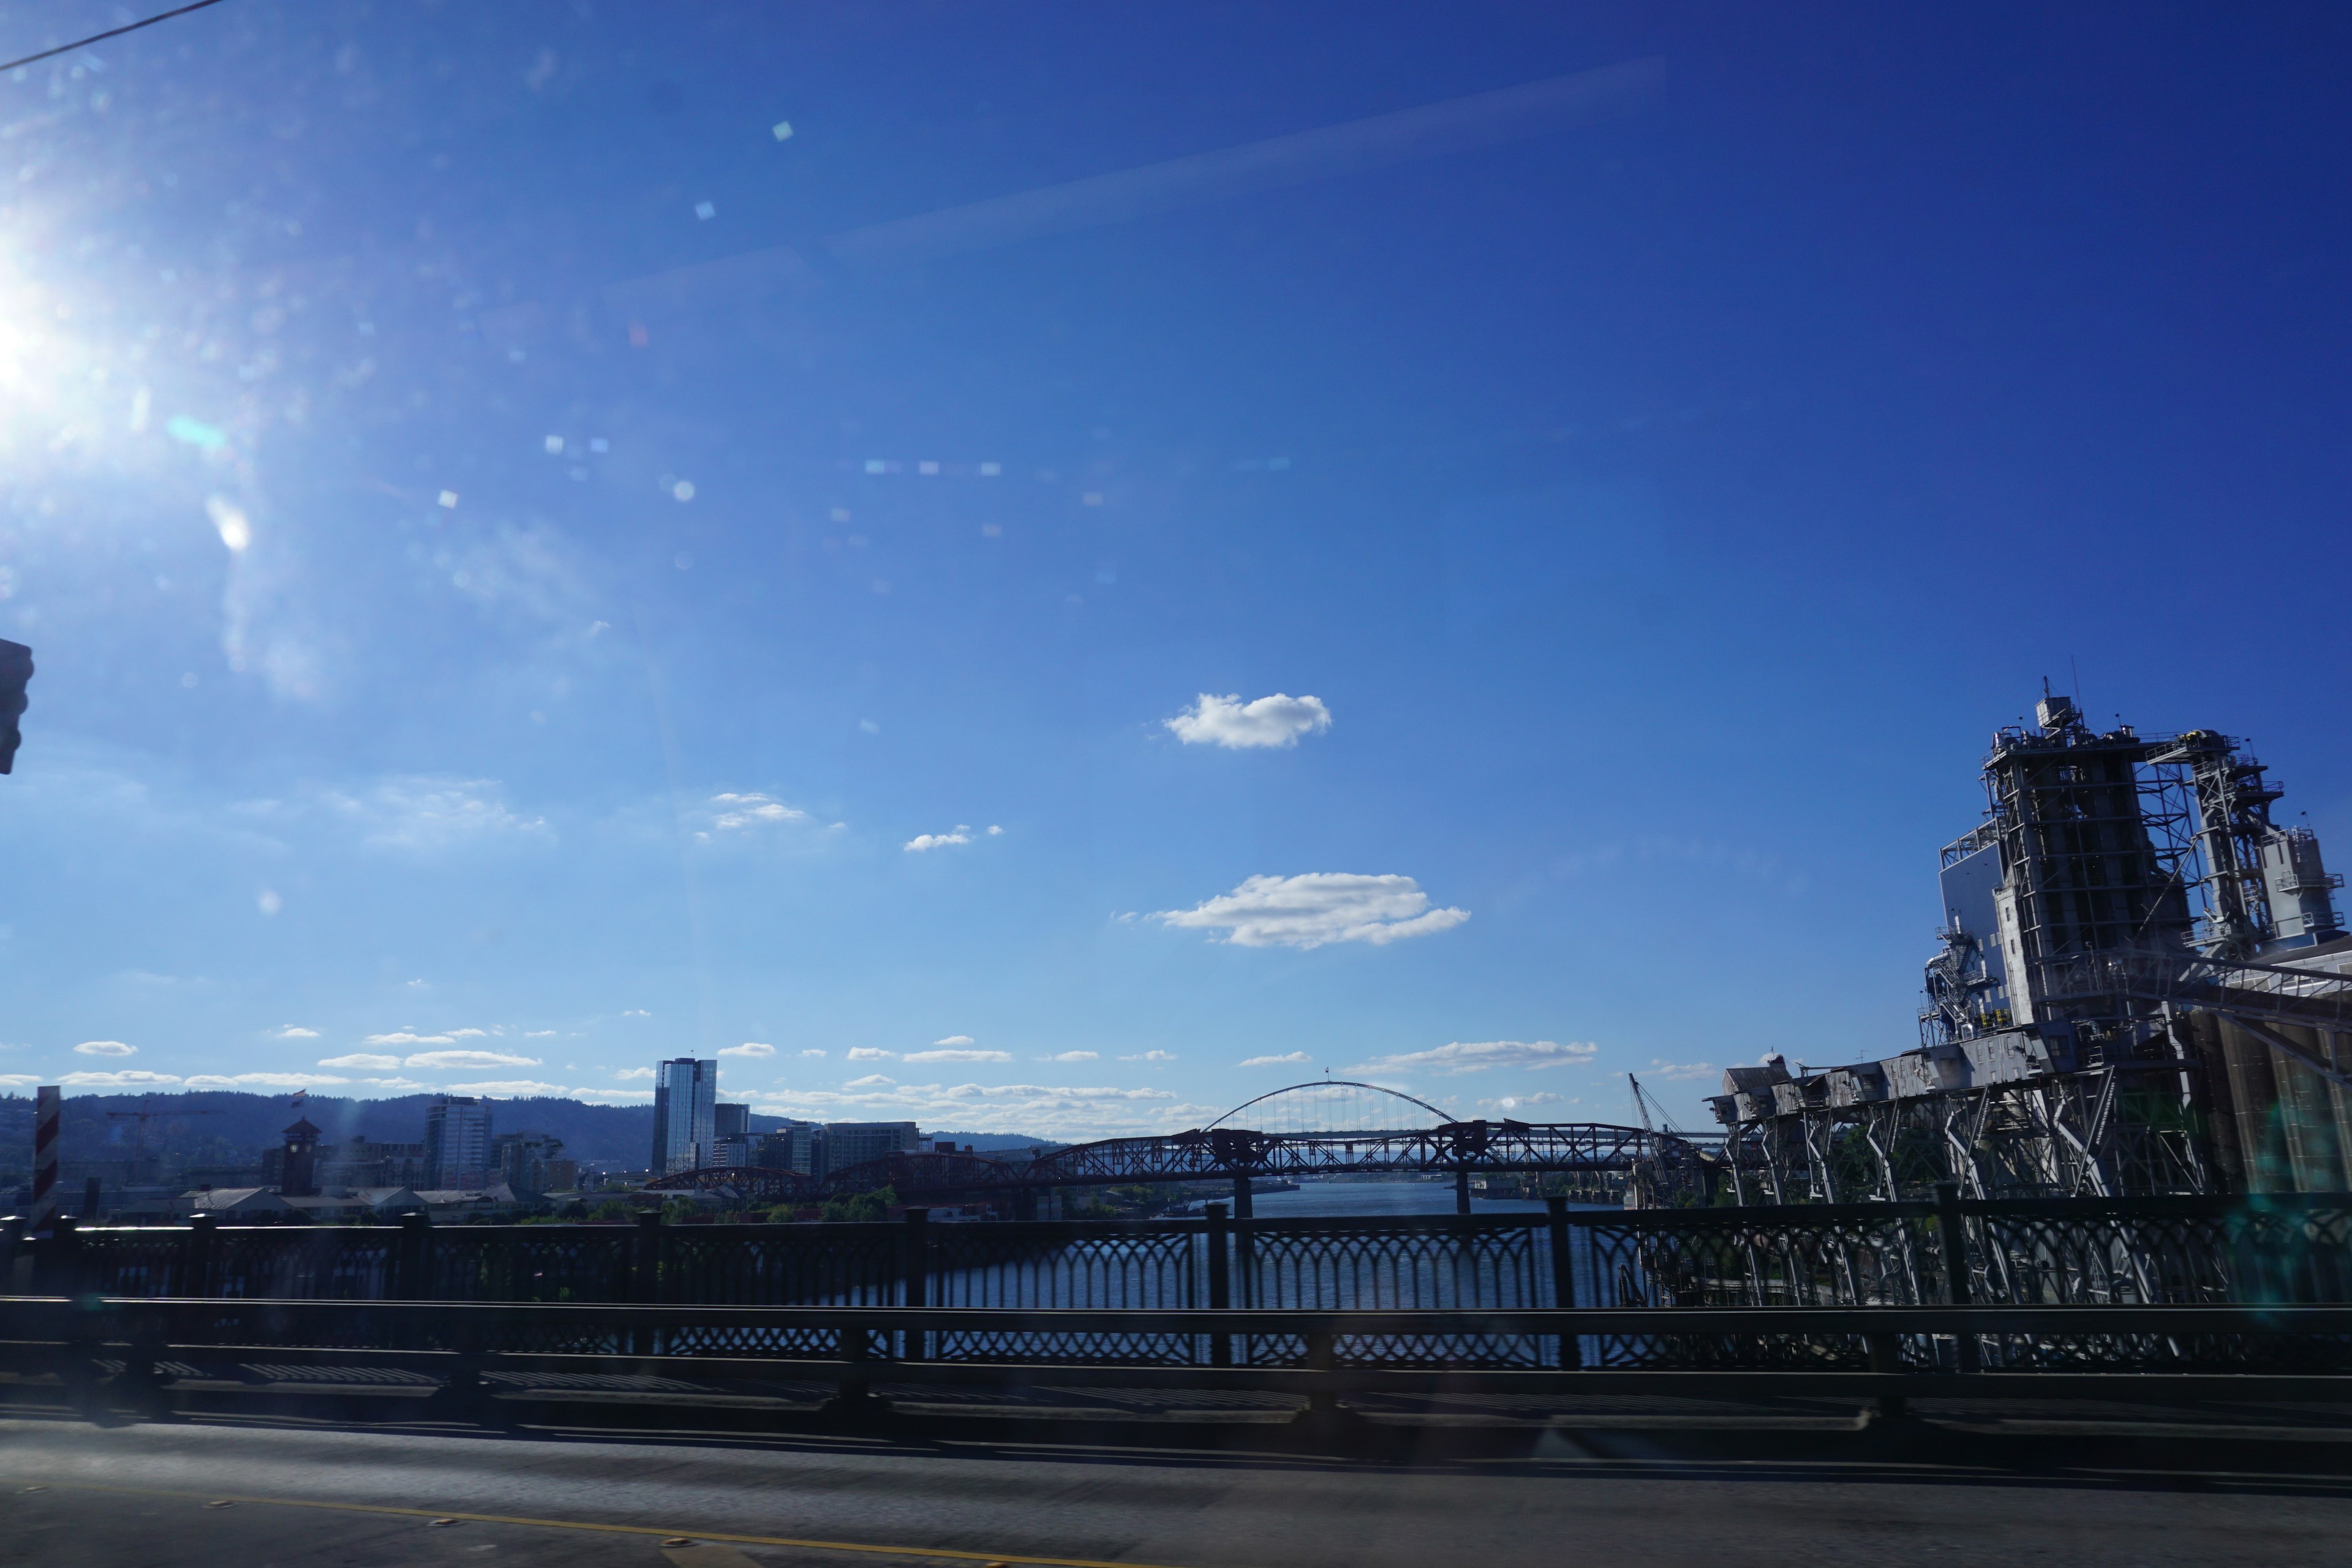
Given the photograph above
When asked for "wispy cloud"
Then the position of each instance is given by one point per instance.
(420, 813)
(1682, 1072)
(626, 1074)
(870, 1054)
(134, 1078)
(1045, 1110)
(1228, 721)
(519, 1086)
(261, 1081)
(1317, 908)
(958, 1056)
(361, 1059)
(408, 1037)
(105, 1048)
(1288, 1059)
(736, 812)
(295, 1032)
(467, 1061)
(1155, 1056)
(954, 1040)
(1075, 1056)
(748, 1048)
(923, 841)
(1465, 1058)
(814, 1051)
(1512, 1104)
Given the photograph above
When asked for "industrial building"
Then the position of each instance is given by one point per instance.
(2143, 985)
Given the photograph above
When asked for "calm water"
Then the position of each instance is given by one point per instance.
(1384, 1197)
(1380, 1198)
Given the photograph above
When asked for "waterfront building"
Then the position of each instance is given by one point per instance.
(456, 1144)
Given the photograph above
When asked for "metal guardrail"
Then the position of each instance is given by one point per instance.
(2022, 1252)
(1882, 1354)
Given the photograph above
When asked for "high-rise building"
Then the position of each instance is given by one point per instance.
(456, 1144)
(529, 1162)
(848, 1144)
(731, 1144)
(796, 1146)
(686, 1108)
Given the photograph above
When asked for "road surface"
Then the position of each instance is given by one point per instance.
(255, 1495)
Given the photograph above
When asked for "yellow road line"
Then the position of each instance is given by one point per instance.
(943, 1552)
(707, 1554)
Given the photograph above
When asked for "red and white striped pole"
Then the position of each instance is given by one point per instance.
(48, 1110)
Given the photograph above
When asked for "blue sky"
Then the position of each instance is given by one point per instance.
(537, 565)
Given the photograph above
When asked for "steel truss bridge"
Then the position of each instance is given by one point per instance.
(1659, 1161)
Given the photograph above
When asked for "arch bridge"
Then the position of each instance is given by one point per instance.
(1662, 1162)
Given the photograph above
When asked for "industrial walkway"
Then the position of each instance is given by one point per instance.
(161, 1495)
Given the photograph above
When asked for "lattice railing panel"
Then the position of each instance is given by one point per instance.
(781, 1266)
(1060, 1266)
(535, 1263)
(1406, 1267)
(1072, 1349)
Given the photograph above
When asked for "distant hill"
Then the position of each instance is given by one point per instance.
(211, 1127)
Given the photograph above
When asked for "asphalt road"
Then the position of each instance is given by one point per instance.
(256, 1496)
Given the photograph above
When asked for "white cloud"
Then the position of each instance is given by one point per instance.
(994, 831)
(635, 1013)
(1069, 1114)
(1459, 1057)
(407, 1037)
(360, 1059)
(1288, 1059)
(18, 1079)
(958, 1056)
(1158, 1057)
(421, 813)
(954, 1040)
(1228, 721)
(814, 1051)
(105, 1048)
(1512, 1104)
(1682, 1072)
(296, 1032)
(626, 1074)
(467, 1033)
(135, 1078)
(511, 1085)
(748, 1048)
(467, 1061)
(735, 812)
(923, 841)
(613, 1095)
(262, 1080)
(869, 1054)
(537, 1033)
(1076, 1057)
(399, 1083)
(1319, 907)
(871, 1080)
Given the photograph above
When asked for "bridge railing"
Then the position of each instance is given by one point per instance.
(2071, 1252)
(143, 1345)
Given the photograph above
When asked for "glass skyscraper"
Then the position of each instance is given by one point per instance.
(686, 1103)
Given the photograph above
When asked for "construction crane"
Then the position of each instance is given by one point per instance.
(1643, 1106)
